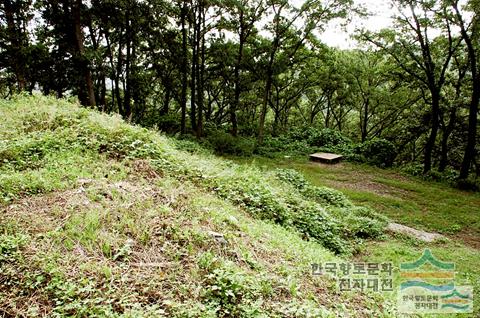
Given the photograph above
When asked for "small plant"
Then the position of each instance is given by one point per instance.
(10, 246)
(226, 289)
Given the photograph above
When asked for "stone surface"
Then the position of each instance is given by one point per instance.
(220, 238)
(326, 157)
(418, 234)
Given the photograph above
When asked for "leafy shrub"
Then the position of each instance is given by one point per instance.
(343, 219)
(226, 289)
(314, 222)
(303, 140)
(293, 177)
(379, 152)
(255, 196)
(169, 123)
(192, 146)
(414, 169)
(281, 146)
(327, 196)
(288, 208)
(363, 227)
(328, 138)
(10, 246)
(322, 195)
(225, 143)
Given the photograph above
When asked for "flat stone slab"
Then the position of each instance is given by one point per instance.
(326, 157)
(421, 235)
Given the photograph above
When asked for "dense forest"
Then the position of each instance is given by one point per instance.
(254, 75)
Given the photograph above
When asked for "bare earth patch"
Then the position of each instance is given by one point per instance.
(360, 181)
(468, 238)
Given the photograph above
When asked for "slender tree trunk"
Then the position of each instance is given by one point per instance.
(365, 120)
(88, 82)
(475, 98)
(236, 101)
(127, 92)
(263, 111)
(445, 136)
(201, 66)
(166, 101)
(115, 73)
(103, 93)
(266, 95)
(433, 132)
(276, 121)
(193, 108)
(183, 98)
(472, 132)
(329, 107)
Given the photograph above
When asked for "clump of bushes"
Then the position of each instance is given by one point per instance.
(225, 143)
(450, 176)
(352, 221)
(379, 152)
(322, 195)
(306, 140)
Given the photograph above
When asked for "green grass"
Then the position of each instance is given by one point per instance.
(104, 219)
(431, 206)
(428, 205)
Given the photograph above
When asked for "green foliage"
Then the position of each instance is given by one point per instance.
(226, 289)
(316, 223)
(301, 141)
(327, 138)
(343, 219)
(192, 146)
(469, 184)
(282, 146)
(307, 140)
(251, 192)
(449, 176)
(224, 143)
(10, 246)
(263, 196)
(322, 195)
(379, 152)
(327, 196)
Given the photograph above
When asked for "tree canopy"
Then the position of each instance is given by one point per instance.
(259, 69)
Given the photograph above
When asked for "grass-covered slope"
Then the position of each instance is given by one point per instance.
(101, 218)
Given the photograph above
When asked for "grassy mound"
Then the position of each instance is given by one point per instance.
(102, 218)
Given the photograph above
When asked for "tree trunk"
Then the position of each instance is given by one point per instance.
(433, 132)
(201, 66)
(263, 112)
(183, 98)
(127, 93)
(236, 101)
(445, 136)
(475, 98)
(193, 109)
(266, 95)
(365, 120)
(88, 82)
(166, 102)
